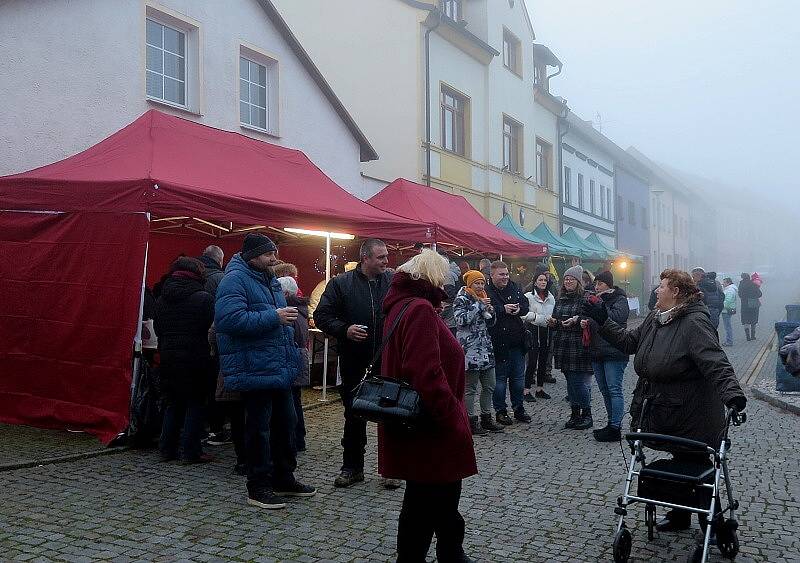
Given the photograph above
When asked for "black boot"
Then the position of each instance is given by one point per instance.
(747, 333)
(585, 421)
(488, 424)
(475, 426)
(574, 417)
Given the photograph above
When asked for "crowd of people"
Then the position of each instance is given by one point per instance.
(233, 343)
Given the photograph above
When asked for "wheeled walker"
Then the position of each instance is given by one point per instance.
(688, 482)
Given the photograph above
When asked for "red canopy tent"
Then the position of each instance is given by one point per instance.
(456, 222)
(73, 245)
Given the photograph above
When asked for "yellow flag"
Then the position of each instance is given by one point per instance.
(552, 268)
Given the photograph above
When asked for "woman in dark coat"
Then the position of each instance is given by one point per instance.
(569, 352)
(750, 294)
(683, 372)
(303, 379)
(184, 313)
(609, 363)
(435, 458)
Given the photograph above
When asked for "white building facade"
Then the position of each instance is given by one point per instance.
(71, 73)
(588, 195)
(457, 72)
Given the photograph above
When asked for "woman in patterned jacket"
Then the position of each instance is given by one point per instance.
(473, 314)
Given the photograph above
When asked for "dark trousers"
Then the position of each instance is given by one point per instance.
(234, 410)
(354, 440)
(430, 508)
(182, 428)
(537, 358)
(269, 438)
(217, 410)
(300, 428)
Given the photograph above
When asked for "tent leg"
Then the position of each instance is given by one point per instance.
(137, 340)
(325, 354)
(325, 372)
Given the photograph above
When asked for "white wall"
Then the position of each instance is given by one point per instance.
(508, 93)
(589, 172)
(71, 73)
(374, 63)
(451, 66)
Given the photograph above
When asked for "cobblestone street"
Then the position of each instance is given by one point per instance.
(543, 494)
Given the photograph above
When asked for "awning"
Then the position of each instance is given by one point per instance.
(545, 233)
(456, 221)
(590, 252)
(173, 167)
(598, 242)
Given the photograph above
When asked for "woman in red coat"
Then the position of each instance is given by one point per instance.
(436, 457)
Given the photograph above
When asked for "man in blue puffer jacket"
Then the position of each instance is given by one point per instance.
(258, 357)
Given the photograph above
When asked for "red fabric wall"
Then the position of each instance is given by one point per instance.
(71, 288)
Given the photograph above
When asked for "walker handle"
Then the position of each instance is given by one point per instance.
(665, 439)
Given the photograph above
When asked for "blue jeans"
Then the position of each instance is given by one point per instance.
(609, 379)
(579, 388)
(726, 322)
(270, 425)
(510, 372)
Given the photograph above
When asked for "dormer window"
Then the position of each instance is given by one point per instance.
(453, 9)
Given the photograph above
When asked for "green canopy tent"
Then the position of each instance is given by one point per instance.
(590, 251)
(596, 241)
(557, 244)
(507, 224)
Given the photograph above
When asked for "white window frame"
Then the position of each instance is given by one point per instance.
(270, 62)
(190, 28)
(544, 156)
(453, 9)
(512, 52)
(459, 110)
(567, 185)
(514, 141)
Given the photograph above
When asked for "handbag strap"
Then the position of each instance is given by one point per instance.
(386, 339)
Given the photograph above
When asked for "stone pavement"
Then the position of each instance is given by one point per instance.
(543, 494)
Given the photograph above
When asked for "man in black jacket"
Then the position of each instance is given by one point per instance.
(351, 310)
(508, 341)
(713, 295)
(212, 258)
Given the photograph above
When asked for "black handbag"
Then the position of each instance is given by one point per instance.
(386, 400)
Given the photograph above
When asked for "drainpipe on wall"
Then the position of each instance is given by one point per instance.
(428, 96)
(562, 121)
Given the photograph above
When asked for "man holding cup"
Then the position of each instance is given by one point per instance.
(508, 341)
(258, 357)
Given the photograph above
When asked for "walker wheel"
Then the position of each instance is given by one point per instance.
(696, 556)
(622, 545)
(728, 540)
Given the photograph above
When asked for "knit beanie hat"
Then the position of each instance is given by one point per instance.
(605, 277)
(256, 244)
(575, 272)
(471, 276)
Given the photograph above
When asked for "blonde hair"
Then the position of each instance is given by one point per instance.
(428, 265)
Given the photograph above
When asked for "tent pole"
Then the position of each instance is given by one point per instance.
(325, 352)
(137, 340)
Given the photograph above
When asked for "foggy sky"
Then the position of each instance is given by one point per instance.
(709, 86)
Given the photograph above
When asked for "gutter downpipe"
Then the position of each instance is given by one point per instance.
(428, 97)
(562, 120)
